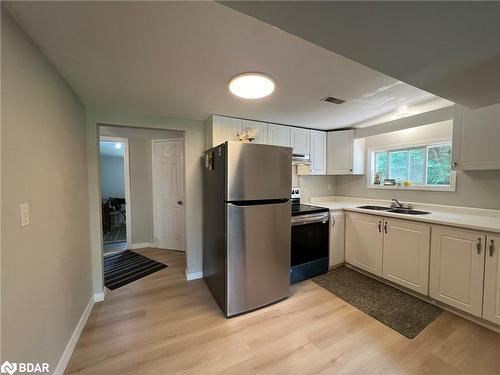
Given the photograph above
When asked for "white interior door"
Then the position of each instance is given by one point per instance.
(168, 194)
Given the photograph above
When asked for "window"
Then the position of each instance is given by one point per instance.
(423, 166)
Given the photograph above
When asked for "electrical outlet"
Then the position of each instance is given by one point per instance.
(24, 211)
(329, 186)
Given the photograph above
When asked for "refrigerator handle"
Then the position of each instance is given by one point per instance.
(258, 202)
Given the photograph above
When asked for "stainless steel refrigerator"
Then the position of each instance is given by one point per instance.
(247, 230)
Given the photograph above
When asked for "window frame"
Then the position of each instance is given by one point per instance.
(407, 146)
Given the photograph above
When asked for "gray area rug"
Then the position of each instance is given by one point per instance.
(402, 312)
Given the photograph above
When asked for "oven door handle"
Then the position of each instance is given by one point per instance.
(309, 219)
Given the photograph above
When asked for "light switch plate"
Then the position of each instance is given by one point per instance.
(24, 211)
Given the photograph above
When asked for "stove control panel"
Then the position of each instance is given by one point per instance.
(295, 193)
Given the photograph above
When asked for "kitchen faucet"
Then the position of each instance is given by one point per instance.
(396, 203)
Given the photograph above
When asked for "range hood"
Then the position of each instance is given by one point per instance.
(301, 159)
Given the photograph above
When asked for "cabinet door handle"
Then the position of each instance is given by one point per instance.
(379, 226)
(333, 221)
(479, 245)
(492, 248)
(385, 227)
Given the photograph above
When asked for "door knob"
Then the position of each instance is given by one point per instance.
(179, 203)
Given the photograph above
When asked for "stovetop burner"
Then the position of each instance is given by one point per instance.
(304, 209)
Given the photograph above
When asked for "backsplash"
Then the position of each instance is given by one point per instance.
(316, 186)
(479, 189)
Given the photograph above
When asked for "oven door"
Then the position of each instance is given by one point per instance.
(310, 242)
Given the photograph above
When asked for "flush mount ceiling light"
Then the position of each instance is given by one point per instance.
(251, 85)
(118, 145)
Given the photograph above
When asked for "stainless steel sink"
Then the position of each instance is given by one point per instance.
(376, 208)
(407, 211)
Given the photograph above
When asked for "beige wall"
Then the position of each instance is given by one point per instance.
(46, 269)
(141, 190)
(474, 189)
(194, 135)
(313, 186)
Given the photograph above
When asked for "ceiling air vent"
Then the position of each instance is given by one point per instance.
(331, 99)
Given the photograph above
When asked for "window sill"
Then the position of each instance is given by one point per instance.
(413, 188)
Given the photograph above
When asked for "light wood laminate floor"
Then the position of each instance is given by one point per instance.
(163, 324)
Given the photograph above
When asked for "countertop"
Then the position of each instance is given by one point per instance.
(463, 217)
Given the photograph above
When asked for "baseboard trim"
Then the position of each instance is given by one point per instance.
(68, 351)
(142, 245)
(99, 297)
(193, 275)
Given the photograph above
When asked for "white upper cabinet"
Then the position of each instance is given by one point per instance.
(476, 138)
(300, 140)
(491, 304)
(345, 155)
(278, 135)
(261, 136)
(221, 129)
(318, 152)
(457, 268)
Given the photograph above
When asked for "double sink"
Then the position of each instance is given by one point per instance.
(396, 210)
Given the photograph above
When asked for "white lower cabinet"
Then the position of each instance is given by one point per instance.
(457, 268)
(363, 243)
(337, 225)
(397, 250)
(406, 254)
(491, 304)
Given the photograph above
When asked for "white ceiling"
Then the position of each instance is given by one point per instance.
(176, 58)
(449, 48)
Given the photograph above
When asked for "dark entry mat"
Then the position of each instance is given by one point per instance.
(125, 267)
(398, 310)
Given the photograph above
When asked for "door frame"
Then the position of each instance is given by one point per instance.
(182, 141)
(126, 167)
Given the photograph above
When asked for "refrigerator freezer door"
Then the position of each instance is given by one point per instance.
(258, 172)
(258, 255)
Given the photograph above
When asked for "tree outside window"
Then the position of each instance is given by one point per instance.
(428, 165)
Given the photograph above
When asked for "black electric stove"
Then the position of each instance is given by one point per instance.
(310, 240)
(304, 209)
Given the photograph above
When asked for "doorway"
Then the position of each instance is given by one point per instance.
(168, 194)
(115, 193)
